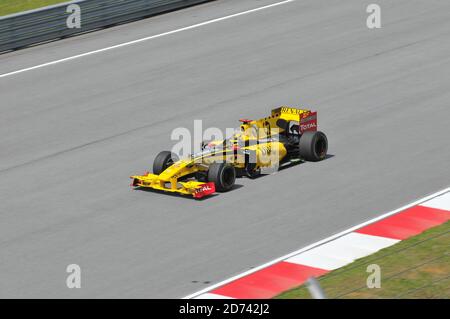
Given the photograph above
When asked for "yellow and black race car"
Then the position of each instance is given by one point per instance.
(286, 136)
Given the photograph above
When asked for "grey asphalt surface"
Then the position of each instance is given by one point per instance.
(72, 133)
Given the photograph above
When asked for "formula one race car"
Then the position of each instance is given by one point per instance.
(288, 135)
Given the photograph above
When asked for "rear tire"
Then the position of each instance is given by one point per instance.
(223, 175)
(313, 146)
(162, 161)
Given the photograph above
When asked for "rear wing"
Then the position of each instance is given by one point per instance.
(307, 119)
(308, 122)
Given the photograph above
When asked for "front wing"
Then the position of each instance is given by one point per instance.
(193, 188)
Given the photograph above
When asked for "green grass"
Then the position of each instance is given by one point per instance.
(418, 267)
(14, 6)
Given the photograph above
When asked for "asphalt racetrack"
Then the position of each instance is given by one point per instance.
(72, 133)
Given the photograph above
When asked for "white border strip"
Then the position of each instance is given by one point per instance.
(321, 242)
(144, 39)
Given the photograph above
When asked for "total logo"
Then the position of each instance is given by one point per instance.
(204, 188)
(309, 126)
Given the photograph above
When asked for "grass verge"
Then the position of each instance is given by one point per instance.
(14, 6)
(418, 267)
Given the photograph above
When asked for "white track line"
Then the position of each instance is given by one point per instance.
(321, 242)
(144, 39)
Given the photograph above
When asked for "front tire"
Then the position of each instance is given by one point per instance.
(162, 161)
(313, 146)
(251, 171)
(223, 175)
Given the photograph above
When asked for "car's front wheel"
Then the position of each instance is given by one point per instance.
(223, 175)
(162, 161)
(252, 171)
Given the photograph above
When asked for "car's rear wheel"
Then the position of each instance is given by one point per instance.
(162, 161)
(223, 175)
(313, 146)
